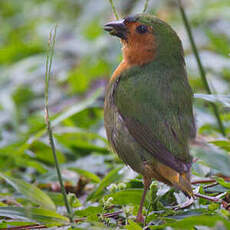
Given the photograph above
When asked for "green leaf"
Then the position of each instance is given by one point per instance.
(57, 198)
(43, 152)
(38, 215)
(133, 226)
(82, 143)
(213, 206)
(18, 50)
(93, 30)
(31, 192)
(17, 223)
(219, 43)
(3, 225)
(214, 158)
(58, 119)
(86, 119)
(77, 108)
(73, 200)
(127, 197)
(222, 182)
(111, 177)
(216, 189)
(182, 214)
(190, 222)
(87, 174)
(88, 69)
(223, 144)
(223, 99)
(22, 95)
(89, 211)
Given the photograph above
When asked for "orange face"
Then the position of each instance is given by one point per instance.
(137, 39)
(139, 46)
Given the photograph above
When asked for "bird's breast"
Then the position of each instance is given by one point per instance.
(120, 69)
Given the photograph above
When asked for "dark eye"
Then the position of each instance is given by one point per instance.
(142, 29)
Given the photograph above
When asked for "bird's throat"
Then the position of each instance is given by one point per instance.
(138, 55)
(134, 55)
(120, 69)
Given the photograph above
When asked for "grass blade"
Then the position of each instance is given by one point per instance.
(87, 174)
(200, 66)
(146, 5)
(38, 215)
(111, 177)
(31, 192)
(49, 61)
(114, 9)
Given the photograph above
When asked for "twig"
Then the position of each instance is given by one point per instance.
(79, 220)
(213, 199)
(184, 205)
(226, 178)
(210, 185)
(203, 181)
(113, 214)
(49, 60)
(146, 5)
(33, 226)
(114, 9)
(225, 204)
(200, 66)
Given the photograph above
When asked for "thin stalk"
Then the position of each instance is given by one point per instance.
(200, 66)
(49, 60)
(146, 5)
(114, 9)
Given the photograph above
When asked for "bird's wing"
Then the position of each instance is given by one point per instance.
(156, 106)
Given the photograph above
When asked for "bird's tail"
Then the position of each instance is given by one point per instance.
(178, 180)
(185, 184)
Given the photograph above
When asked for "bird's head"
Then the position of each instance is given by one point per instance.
(145, 38)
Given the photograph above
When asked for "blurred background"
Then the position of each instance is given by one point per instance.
(85, 57)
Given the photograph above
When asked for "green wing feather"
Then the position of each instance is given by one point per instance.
(155, 101)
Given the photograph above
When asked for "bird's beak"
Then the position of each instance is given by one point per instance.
(117, 28)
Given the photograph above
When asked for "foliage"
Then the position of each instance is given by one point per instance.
(103, 193)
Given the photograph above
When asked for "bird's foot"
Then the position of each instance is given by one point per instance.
(140, 218)
(186, 204)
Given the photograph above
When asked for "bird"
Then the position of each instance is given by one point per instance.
(148, 109)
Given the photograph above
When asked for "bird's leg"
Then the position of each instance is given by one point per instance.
(140, 217)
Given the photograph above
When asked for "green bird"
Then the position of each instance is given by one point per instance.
(148, 111)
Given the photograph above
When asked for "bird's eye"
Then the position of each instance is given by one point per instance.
(142, 29)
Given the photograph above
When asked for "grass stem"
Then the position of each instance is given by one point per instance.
(146, 5)
(114, 9)
(49, 60)
(200, 66)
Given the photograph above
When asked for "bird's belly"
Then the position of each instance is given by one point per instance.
(123, 143)
(129, 150)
